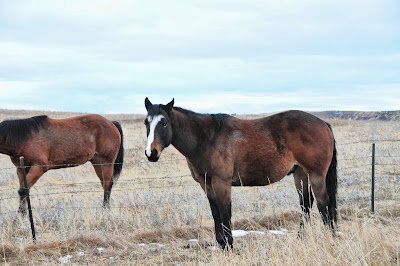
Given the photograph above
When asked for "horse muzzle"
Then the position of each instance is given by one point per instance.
(153, 156)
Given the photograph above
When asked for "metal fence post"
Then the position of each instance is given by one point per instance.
(26, 188)
(373, 173)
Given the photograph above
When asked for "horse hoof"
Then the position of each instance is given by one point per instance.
(22, 211)
(225, 246)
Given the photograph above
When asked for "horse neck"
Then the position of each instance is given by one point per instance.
(187, 132)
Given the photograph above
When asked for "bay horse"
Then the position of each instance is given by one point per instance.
(47, 144)
(224, 151)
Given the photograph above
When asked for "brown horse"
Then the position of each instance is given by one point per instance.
(47, 143)
(224, 151)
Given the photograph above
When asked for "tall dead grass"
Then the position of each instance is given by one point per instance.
(363, 240)
(157, 208)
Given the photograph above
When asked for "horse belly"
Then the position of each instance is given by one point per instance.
(260, 171)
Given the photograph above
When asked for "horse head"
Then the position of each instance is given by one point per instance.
(159, 131)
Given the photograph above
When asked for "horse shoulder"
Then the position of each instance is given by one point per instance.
(35, 150)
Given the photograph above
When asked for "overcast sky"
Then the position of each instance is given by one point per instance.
(241, 56)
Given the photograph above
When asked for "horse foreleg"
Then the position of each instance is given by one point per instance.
(222, 192)
(219, 233)
(215, 211)
(225, 213)
(32, 175)
(22, 201)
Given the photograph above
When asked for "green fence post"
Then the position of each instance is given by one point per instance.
(373, 173)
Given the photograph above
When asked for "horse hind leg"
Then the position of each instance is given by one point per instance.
(318, 184)
(107, 169)
(305, 195)
(105, 172)
(97, 167)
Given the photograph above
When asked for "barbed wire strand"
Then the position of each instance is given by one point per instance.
(144, 180)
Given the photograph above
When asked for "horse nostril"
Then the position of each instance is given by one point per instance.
(153, 153)
(153, 156)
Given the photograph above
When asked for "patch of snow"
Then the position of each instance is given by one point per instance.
(257, 232)
(100, 249)
(193, 240)
(65, 259)
(276, 232)
(240, 233)
(281, 232)
(80, 254)
(156, 244)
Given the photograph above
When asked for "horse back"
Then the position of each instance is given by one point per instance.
(91, 128)
(74, 140)
(264, 150)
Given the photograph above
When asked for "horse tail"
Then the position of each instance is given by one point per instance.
(331, 183)
(120, 157)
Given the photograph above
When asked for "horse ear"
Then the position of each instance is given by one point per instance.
(169, 106)
(147, 103)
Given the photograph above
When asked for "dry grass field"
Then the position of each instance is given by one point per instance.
(159, 215)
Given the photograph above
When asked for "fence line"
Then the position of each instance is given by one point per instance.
(184, 159)
(99, 191)
(358, 158)
(368, 141)
(138, 180)
(134, 205)
(354, 191)
(92, 164)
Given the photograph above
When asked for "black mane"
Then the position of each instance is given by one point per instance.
(14, 132)
(218, 119)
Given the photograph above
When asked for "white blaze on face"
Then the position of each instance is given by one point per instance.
(150, 138)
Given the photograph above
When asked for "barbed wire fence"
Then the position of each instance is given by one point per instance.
(369, 173)
(157, 200)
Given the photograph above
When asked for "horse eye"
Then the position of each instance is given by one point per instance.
(165, 123)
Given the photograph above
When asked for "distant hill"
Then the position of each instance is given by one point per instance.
(340, 115)
(358, 115)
